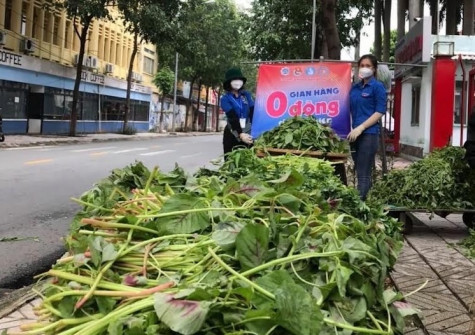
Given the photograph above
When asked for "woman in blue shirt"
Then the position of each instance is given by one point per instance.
(238, 105)
(367, 106)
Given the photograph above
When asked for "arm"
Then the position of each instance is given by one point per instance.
(231, 115)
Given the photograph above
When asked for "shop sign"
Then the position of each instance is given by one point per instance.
(92, 77)
(10, 58)
(415, 46)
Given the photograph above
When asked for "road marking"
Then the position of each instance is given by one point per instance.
(153, 153)
(95, 154)
(192, 155)
(38, 161)
(93, 149)
(25, 148)
(129, 150)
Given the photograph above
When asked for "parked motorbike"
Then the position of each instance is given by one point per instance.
(2, 135)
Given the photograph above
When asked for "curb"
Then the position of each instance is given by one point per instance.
(91, 139)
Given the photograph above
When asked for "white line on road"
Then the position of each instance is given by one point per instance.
(153, 153)
(36, 147)
(129, 150)
(93, 149)
(192, 155)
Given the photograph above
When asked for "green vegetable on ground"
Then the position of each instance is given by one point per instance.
(224, 252)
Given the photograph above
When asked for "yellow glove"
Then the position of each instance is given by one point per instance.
(246, 138)
(355, 133)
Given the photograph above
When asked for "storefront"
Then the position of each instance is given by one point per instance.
(430, 94)
(36, 98)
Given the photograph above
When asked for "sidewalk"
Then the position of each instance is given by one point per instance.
(430, 253)
(12, 141)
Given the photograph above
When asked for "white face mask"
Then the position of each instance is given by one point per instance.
(237, 84)
(365, 73)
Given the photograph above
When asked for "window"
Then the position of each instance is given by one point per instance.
(458, 100)
(148, 65)
(57, 24)
(24, 14)
(12, 100)
(8, 15)
(46, 25)
(415, 110)
(67, 35)
(36, 22)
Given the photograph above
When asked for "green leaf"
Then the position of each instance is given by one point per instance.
(297, 311)
(183, 223)
(252, 244)
(291, 178)
(288, 138)
(260, 326)
(108, 253)
(353, 310)
(185, 317)
(225, 234)
(106, 305)
(342, 276)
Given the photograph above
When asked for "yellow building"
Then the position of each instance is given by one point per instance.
(38, 56)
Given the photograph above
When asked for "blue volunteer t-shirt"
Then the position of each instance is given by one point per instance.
(365, 100)
(241, 104)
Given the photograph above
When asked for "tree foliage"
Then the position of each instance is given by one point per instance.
(164, 80)
(281, 29)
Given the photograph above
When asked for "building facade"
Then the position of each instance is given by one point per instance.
(38, 57)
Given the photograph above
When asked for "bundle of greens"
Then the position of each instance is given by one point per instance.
(302, 133)
(221, 255)
(442, 180)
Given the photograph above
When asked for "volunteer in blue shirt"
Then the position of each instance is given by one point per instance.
(367, 106)
(238, 105)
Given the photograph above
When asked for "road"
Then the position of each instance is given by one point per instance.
(37, 184)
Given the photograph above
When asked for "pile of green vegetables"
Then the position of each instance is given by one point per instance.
(302, 133)
(442, 180)
(223, 253)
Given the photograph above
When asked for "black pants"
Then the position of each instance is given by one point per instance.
(230, 142)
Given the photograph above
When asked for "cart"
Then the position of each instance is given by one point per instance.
(405, 215)
(337, 159)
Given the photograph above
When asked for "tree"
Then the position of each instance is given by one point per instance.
(387, 30)
(82, 13)
(392, 46)
(140, 19)
(282, 29)
(164, 80)
(210, 42)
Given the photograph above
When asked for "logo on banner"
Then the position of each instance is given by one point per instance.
(320, 91)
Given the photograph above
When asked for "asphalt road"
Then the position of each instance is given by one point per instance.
(37, 184)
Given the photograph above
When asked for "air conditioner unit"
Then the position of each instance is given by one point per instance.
(136, 76)
(3, 38)
(109, 68)
(27, 45)
(84, 60)
(93, 62)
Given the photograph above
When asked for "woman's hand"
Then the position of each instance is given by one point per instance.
(355, 133)
(246, 138)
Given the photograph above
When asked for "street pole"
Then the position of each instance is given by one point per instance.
(313, 28)
(174, 92)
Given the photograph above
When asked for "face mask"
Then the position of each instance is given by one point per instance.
(365, 73)
(237, 84)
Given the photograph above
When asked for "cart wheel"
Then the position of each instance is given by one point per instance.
(469, 219)
(407, 221)
(2, 138)
(442, 214)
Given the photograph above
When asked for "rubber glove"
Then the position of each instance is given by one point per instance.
(355, 133)
(246, 138)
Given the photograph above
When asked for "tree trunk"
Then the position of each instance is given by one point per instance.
(197, 111)
(129, 81)
(433, 13)
(330, 28)
(401, 19)
(217, 109)
(377, 28)
(189, 104)
(387, 30)
(205, 128)
(77, 82)
(468, 17)
(450, 18)
(162, 108)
